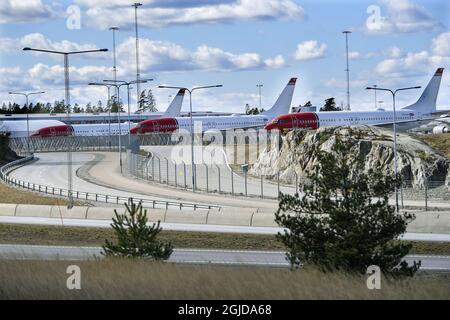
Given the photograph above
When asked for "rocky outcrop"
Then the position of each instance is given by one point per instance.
(416, 160)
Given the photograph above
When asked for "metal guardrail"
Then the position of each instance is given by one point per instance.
(97, 197)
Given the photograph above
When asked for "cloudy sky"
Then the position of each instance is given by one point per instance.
(236, 43)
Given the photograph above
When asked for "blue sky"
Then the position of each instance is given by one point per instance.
(237, 43)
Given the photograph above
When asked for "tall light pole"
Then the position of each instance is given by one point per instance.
(192, 123)
(67, 102)
(117, 86)
(114, 29)
(27, 94)
(138, 75)
(259, 87)
(394, 124)
(348, 69)
(108, 86)
(128, 96)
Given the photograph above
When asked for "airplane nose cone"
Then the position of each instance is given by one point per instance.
(269, 126)
(134, 130)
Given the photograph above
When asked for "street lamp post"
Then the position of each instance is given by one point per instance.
(108, 86)
(27, 94)
(114, 29)
(394, 124)
(128, 97)
(259, 87)
(67, 102)
(348, 69)
(192, 123)
(136, 5)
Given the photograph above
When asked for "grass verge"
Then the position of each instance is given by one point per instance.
(14, 195)
(138, 279)
(439, 142)
(82, 236)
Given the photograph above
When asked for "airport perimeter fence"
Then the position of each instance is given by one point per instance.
(222, 179)
(24, 145)
(91, 196)
(72, 143)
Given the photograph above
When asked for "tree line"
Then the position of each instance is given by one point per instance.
(147, 103)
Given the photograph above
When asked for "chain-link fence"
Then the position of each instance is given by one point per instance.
(222, 179)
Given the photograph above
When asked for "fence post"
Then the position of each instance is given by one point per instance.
(232, 182)
(167, 171)
(159, 169)
(296, 182)
(207, 184)
(426, 193)
(153, 168)
(262, 187)
(184, 173)
(218, 171)
(245, 182)
(175, 173)
(401, 194)
(278, 184)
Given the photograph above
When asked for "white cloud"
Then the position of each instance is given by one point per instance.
(356, 55)
(393, 52)
(399, 16)
(309, 50)
(417, 63)
(42, 75)
(441, 44)
(159, 13)
(168, 56)
(38, 40)
(13, 11)
(277, 62)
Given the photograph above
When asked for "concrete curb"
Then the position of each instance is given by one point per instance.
(425, 222)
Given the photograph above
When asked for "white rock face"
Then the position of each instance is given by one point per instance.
(416, 160)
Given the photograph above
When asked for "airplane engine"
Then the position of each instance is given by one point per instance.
(440, 129)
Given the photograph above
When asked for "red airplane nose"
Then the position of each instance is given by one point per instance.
(134, 130)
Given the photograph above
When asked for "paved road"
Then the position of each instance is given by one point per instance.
(106, 173)
(51, 170)
(208, 176)
(105, 177)
(236, 257)
(193, 227)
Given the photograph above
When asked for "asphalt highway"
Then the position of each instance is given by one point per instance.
(198, 256)
(192, 227)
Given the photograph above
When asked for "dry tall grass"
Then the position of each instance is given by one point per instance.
(439, 142)
(15, 195)
(125, 279)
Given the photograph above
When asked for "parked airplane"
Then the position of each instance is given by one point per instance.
(235, 121)
(104, 129)
(18, 128)
(411, 116)
(437, 126)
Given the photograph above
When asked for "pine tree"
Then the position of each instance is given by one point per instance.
(59, 107)
(99, 107)
(343, 219)
(116, 105)
(135, 238)
(142, 103)
(330, 105)
(89, 108)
